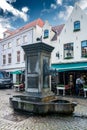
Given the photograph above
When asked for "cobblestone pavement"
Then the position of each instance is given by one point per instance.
(9, 120)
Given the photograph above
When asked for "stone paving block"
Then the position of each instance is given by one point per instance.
(78, 121)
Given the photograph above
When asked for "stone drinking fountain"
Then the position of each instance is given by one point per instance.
(38, 97)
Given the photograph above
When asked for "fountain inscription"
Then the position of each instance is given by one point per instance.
(45, 69)
(32, 64)
(32, 82)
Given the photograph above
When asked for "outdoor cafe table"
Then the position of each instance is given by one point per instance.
(61, 88)
(18, 87)
(85, 90)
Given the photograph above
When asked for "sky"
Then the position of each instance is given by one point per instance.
(16, 13)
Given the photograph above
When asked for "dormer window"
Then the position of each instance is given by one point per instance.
(46, 33)
(76, 25)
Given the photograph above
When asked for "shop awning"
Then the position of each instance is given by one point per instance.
(70, 66)
(16, 72)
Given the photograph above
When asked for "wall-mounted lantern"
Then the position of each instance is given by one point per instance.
(39, 38)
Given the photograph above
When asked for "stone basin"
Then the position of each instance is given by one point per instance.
(23, 103)
(38, 97)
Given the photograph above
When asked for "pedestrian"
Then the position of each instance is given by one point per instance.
(79, 84)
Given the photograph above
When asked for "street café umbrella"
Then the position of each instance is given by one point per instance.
(16, 72)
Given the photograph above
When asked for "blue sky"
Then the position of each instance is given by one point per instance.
(16, 13)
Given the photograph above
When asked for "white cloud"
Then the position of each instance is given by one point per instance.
(25, 9)
(53, 6)
(45, 10)
(63, 15)
(82, 3)
(4, 25)
(2, 29)
(59, 2)
(11, 1)
(68, 11)
(8, 7)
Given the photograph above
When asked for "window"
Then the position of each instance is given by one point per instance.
(46, 33)
(76, 25)
(4, 59)
(18, 41)
(9, 45)
(57, 55)
(24, 56)
(24, 39)
(68, 51)
(84, 48)
(18, 56)
(9, 58)
(4, 46)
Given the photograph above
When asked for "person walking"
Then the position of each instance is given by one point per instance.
(79, 84)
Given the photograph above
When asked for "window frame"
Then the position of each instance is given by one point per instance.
(77, 25)
(85, 50)
(4, 59)
(24, 56)
(9, 58)
(18, 56)
(69, 50)
(46, 33)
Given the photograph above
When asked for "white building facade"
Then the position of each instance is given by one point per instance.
(11, 53)
(69, 41)
(72, 42)
(70, 54)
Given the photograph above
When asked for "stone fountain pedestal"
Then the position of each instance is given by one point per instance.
(38, 97)
(38, 85)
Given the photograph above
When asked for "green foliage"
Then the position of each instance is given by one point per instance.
(85, 86)
(68, 57)
(75, 30)
(85, 56)
(17, 83)
(61, 85)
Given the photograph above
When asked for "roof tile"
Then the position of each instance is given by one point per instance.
(57, 30)
(38, 22)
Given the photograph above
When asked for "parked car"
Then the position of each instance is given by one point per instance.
(5, 80)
